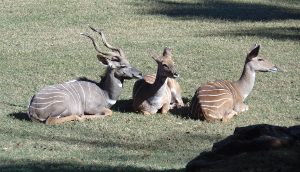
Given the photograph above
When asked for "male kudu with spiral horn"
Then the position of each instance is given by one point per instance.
(80, 100)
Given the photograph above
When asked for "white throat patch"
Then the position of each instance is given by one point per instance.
(111, 102)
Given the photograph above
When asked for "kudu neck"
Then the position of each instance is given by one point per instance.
(111, 85)
(246, 82)
(160, 81)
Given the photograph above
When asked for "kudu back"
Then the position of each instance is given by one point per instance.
(160, 91)
(224, 99)
(83, 99)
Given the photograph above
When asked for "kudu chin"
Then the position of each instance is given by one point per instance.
(224, 99)
(83, 99)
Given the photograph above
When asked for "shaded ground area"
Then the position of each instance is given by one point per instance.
(71, 167)
(232, 11)
(280, 33)
(253, 148)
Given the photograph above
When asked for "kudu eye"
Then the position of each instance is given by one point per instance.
(122, 66)
(260, 59)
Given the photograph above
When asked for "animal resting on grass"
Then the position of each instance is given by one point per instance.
(80, 100)
(162, 91)
(224, 99)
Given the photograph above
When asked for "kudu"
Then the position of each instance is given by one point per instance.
(158, 92)
(224, 99)
(80, 100)
(173, 86)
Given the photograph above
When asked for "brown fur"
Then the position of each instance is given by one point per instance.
(224, 99)
(153, 92)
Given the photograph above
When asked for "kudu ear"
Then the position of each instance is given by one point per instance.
(102, 59)
(105, 61)
(254, 51)
(157, 58)
(167, 52)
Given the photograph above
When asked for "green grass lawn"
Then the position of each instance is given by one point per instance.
(41, 45)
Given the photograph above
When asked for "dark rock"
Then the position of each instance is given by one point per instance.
(247, 139)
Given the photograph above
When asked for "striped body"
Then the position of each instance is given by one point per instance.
(224, 99)
(216, 100)
(71, 98)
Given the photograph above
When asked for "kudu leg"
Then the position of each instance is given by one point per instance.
(54, 120)
(165, 108)
(146, 113)
(105, 112)
(241, 107)
(227, 117)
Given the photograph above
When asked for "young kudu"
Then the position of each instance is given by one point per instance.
(174, 87)
(224, 99)
(158, 92)
(79, 100)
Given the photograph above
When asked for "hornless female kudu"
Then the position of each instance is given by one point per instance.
(158, 92)
(79, 100)
(174, 87)
(224, 99)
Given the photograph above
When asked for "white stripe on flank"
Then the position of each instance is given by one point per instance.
(218, 84)
(69, 92)
(203, 105)
(53, 93)
(224, 85)
(76, 92)
(203, 108)
(44, 103)
(202, 95)
(220, 89)
(233, 90)
(82, 92)
(206, 101)
(45, 98)
(89, 90)
(47, 105)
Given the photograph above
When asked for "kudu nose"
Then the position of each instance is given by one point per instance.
(175, 75)
(136, 73)
(274, 69)
(140, 75)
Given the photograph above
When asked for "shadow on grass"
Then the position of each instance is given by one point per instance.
(20, 116)
(123, 106)
(281, 33)
(182, 112)
(223, 10)
(29, 165)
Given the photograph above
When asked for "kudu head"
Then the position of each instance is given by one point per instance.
(114, 60)
(166, 67)
(258, 63)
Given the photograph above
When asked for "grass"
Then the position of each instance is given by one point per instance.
(41, 45)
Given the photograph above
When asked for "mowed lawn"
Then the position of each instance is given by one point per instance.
(41, 45)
